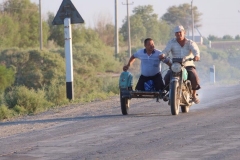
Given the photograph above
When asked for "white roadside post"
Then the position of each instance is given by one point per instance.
(68, 57)
(67, 15)
(212, 74)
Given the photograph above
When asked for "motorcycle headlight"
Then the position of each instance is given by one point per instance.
(176, 67)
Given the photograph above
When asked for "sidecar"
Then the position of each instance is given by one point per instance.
(127, 93)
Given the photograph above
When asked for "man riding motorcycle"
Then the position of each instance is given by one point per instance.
(181, 47)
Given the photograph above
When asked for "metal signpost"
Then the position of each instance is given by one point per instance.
(67, 15)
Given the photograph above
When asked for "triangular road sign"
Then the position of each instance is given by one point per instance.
(67, 10)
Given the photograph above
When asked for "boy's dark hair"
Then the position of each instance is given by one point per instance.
(146, 40)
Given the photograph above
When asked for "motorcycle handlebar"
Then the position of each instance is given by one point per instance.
(189, 59)
(168, 59)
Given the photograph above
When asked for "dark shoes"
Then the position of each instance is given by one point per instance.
(195, 100)
(164, 95)
(165, 98)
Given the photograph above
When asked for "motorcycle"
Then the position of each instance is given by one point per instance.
(180, 89)
(178, 96)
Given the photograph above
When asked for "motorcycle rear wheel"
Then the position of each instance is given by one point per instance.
(174, 98)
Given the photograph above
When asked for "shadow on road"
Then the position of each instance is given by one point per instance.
(81, 118)
(59, 120)
(147, 115)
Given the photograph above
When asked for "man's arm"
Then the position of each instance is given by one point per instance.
(166, 51)
(130, 62)
(196, 52)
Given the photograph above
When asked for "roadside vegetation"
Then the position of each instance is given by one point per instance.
(33, 80)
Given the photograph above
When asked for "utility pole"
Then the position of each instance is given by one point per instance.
(192, 20)
(116, 30)
(129, 33)
(40, 24)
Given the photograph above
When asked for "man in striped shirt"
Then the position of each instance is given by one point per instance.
(150, 66)
(181, 47)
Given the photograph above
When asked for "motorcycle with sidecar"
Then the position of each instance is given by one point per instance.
(178, 96)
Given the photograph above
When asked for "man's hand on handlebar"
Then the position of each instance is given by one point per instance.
(196, 58)
(165, 59)
(162, 56)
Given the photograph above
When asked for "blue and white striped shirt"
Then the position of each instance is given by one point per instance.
(150, 64)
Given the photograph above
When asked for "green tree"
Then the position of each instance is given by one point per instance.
(9, 35)
(138, 31)
(26, 15)
(56, 31)
(213, 38)
(20, 23)
(237, 37)
(145, 23)
(149, 20)
(227, 38)
(181, 15)
(83, 35)
(164, 32)
(105, 29)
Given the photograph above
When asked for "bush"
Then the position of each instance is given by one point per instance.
(19, 110)
(32, 101)
(56, 93)
(5, 113)
(110, 85)
(6, 77)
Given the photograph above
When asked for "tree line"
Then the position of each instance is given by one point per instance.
(19, 22)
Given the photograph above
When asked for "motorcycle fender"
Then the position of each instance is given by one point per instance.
(174, 79)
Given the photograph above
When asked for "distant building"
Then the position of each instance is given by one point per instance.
(225, 44)
(197, 39)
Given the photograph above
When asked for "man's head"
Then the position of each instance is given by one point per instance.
(149, 44)
(179, 32)
(178, 29)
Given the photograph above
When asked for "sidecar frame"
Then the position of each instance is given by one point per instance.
(140, 94)
(127, 94)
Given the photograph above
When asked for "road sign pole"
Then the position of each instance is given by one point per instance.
(67, 14)
(68, 57)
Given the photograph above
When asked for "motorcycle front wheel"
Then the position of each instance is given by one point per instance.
(174, 98)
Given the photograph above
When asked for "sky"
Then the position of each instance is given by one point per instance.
(219, 17)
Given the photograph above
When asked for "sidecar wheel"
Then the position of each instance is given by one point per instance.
(174, 100)
(125, 104)
(185, 109)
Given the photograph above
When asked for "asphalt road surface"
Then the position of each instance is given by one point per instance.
(97, 130)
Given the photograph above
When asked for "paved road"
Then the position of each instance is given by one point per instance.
(98, 131)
